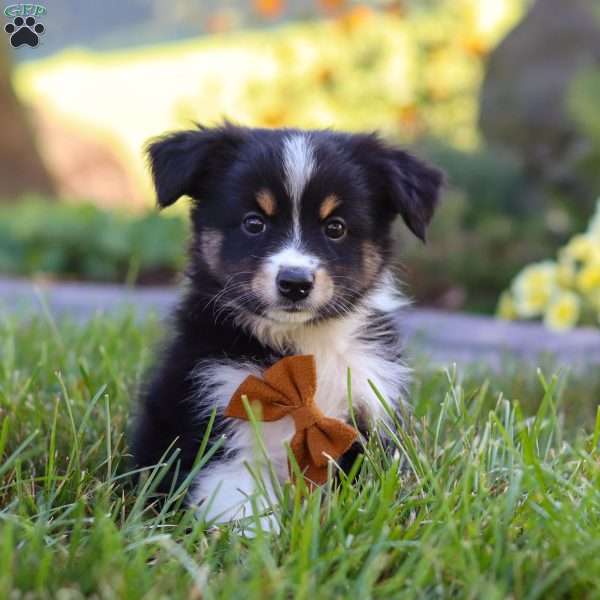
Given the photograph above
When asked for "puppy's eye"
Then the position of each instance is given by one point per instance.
(253, 224)
(335, 228)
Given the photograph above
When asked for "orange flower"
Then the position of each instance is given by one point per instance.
(270, 9)
(408, 114)
(438, 91)
(332, 5)
(397, 9)
(221, 21)
(274, 117)
(325, 76)
(356, 17)
(475, 46)
(410, 119)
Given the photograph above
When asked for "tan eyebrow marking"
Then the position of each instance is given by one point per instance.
(328, 205)
(266, 201)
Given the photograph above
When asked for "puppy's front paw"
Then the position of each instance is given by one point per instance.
(228, 494)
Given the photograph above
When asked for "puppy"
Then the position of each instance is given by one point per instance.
(289, 255)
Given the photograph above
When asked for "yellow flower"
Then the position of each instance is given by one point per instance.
(562, 312)
(566, 272)
(594, 300)
(582, 247)
(506, 307)
(557, 290)
(588, 279)
(594, 228)
(533, 288)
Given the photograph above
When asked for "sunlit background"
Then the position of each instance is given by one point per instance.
(503, 94)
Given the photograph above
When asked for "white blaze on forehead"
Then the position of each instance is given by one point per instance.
(299, 166)
(290, 256)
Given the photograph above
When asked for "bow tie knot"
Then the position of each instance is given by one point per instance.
(306, 416)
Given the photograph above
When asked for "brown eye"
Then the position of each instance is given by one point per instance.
(253, 224)
(335, 229)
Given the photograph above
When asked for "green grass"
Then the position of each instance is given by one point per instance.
(499, 495)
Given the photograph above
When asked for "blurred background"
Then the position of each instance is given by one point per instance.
(502, 94)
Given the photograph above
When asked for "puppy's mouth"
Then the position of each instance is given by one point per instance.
(293, 313)
(295, 308)
(278, 312)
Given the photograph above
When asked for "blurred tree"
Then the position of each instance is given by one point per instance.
(21, 168)
(525, 92)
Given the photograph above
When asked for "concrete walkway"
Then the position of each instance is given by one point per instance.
(443, 337)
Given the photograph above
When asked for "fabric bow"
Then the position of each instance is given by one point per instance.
(288, 388)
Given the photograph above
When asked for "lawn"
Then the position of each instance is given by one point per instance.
(498, 494)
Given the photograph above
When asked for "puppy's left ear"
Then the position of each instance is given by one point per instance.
(414, 189)
(410, 186)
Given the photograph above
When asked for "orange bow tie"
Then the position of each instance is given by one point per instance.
(289, 388)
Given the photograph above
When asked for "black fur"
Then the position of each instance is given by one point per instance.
(222, 169)
(410, 186)
(167, 413)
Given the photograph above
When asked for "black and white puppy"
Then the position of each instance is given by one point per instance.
(289, 255)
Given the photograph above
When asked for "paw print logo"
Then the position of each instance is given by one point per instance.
(24, 31)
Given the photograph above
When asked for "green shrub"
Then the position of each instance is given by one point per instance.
(471, 254)
(493, 180)
(85, 242)
(582, 102)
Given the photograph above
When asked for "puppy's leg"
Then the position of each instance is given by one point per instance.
(228, 491)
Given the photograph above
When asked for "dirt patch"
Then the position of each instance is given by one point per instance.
(83, 166)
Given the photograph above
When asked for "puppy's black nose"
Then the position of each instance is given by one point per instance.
(295, 283)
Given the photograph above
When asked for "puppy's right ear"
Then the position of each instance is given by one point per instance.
(183, 162)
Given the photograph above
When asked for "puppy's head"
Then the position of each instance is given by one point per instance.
(294, 225)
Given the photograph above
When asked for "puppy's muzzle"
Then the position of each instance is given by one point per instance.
(295, 283)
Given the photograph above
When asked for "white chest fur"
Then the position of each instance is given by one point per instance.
(339, 346)
(354, 344)
(339, 350)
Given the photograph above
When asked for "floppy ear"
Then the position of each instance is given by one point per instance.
(414, 190)
(182, 162)
(410, 186)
